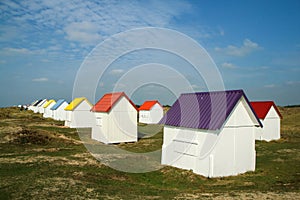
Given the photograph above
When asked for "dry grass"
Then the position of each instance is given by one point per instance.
(239, 195)
(41, 159)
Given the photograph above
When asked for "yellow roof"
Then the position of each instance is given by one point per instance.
(48, 103)
(76, 102)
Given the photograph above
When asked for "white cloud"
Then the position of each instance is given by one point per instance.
(293, 82)
(116, 71)
(264, 67)
(21, 51)
(222, 32)
(229, 65)
(54, 47)
(45, 61)
(10, 32)
(118, 86)
(269, 86)
(42, 79)
(197, 87)
(18, 50)
(85, 32)
(247, 48)
(87, 21)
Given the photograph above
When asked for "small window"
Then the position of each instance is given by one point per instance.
(99, 121)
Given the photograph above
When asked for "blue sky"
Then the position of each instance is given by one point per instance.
(255, 45)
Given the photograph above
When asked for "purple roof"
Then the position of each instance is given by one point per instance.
(203, 110)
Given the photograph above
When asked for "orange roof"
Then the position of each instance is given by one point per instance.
(261, 108)
(108, 101)
(147, 105)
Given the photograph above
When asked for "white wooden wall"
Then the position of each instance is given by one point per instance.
(47, 113)
(60, 113)
(41, 108)
(80, 117)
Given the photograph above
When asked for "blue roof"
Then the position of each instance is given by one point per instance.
(58, 103)
(204, 110)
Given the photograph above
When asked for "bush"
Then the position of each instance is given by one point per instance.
(26, 136)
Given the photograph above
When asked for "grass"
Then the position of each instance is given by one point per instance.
(52, 163)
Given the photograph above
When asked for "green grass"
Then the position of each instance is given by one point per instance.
(62, 168)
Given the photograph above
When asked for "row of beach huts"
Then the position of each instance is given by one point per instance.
(210, 133)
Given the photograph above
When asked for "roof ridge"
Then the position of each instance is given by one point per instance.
(213, 92)
(268, 101)
(146, 106)
(73, 104)
(108, 100)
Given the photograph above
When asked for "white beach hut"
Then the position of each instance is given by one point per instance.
(270, 117)
(39, 107)
(47, 107)
(34, 106)
(58, 111)
(78, 114)
(30, 107)
(116, 119)
(211, 133)
(150, 112)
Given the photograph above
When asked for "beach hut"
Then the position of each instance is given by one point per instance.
(30, 107)
(58, 111)
(116, 119)
(78, 114)
(39, 107)
(150, 112)
(270, 117)
(47, 107)
(34, 106)
(211, 133)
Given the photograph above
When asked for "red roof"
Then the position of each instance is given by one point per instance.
(108, 101)
(147, 105)
(261, 108)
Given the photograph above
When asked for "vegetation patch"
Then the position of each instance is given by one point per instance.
(27, 136)
(42, 159)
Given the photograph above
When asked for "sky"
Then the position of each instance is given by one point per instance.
(255, 46)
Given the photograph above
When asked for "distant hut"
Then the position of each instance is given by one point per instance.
(270, 117)
(39, 108)
(47, 108)
(58, 111)
(78, 113)
(151, 112)
(34, 107)
(30, 107)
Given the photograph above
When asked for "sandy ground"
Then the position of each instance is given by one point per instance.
(238, 195)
